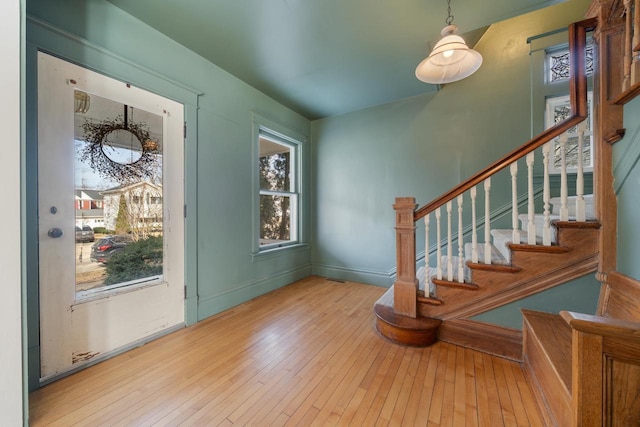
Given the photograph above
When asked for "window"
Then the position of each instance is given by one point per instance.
(278, 190)
(558, 63)
(550, 71)
(558, 109)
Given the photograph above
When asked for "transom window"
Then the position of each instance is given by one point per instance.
(279, 190)
(558, 64)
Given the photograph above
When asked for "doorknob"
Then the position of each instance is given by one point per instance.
(55, 233)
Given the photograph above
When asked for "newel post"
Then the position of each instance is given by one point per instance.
(405, 288)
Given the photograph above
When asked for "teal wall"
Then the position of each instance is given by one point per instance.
(221, 271)
(627, 186)
(580, 295)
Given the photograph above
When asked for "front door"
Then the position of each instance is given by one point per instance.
(110, 207)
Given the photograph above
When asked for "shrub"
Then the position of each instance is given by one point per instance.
(102, 230)
(136, 261)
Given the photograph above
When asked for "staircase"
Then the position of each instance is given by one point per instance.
(539, 251)
(583, 369)
(516, 270)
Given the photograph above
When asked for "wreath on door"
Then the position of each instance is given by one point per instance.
(100, 149)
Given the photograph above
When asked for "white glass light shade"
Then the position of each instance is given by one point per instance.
(451, 60)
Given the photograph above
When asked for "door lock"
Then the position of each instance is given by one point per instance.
(54, 233)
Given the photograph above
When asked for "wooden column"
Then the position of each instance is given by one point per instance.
(608, 80)
(587, 382)
(405, 288)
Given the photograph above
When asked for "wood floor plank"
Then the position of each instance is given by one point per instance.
(437, 397)
(448, 398)
(471, 414)
(415, 394)
(506, 405)
(514, 393)
(428, 387)
(372, 387)
(460, 389)
(530, 406)
(400, 407)
(305, 354)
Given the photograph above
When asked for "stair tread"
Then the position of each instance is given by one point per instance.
(455, 284)
(507, 233)
(496, 256)
(432, 273)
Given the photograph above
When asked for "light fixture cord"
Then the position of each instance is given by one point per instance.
(449, 19)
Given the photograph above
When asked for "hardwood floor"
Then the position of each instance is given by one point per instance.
(306, 354)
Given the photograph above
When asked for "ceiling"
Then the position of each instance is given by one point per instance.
(322, 57)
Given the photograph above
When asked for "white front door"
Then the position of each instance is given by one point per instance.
(111, 224)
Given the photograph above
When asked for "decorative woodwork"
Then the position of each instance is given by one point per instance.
(548, 367)
(532, 270)
(608, 40)
(587, 368)
(417, 332)
(492, 339)
(406, 284)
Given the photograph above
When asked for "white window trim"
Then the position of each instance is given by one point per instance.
(286, 136)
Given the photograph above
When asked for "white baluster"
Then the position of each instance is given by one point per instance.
(438, 246)
(426, 255)
(531, 225)
(460, 242)
(546, 196)
(581, 214)
(514, 202)
(487, 222)
(564, 209)
(474, 227)
(449, 243)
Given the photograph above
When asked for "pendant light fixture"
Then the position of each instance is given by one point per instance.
(451, 59)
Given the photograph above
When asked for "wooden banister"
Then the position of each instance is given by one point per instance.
(604, 326)
(578, 99)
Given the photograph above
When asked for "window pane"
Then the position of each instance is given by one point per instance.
(275, 166)
(558, 110)
(275, 219)
(118, 179)
(559, 64)
(571, 155)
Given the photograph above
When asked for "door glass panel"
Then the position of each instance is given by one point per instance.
(118, 194)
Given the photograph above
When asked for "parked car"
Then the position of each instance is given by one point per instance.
(84, 234)
(104, 248)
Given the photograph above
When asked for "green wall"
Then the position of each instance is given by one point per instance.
(423, 146)
(627, 186)
(221, 271)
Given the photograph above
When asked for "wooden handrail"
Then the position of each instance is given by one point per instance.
(578, 101)
(606, 326)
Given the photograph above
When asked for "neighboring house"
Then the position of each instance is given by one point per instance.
(143, 202)
(89, 208)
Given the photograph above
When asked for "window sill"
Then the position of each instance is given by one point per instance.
(278, 252)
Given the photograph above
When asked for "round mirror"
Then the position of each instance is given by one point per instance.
(121, 146)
